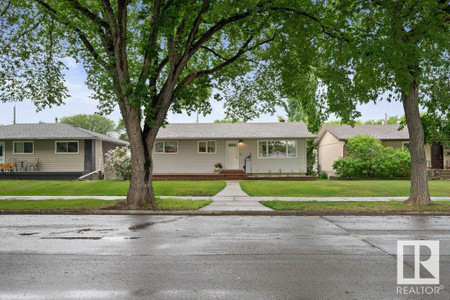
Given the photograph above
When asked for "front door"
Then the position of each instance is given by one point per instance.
(2, 153)
(437, 157)
(232, 155)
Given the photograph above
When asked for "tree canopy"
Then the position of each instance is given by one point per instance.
(149, 57)
(92, 122)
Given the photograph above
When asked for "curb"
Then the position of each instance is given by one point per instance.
(226, 213)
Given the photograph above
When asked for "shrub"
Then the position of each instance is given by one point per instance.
(119, 162)
(369, 158)
(323, 175)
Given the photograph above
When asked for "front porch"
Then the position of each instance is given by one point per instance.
(40, 175)
(223, 175)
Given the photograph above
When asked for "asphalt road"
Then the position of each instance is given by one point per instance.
(203, 257)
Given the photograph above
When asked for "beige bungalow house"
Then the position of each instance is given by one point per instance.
(52, 151)
(332, 139)
(244, 147)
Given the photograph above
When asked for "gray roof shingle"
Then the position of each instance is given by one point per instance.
(381, 132)
(46, 131)
(234, 130)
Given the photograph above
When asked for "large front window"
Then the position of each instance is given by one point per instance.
(23, 147)
(169, 147)
(277, 149)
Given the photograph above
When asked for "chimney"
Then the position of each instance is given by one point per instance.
(56, 120)
(14, 115)
(385, 119)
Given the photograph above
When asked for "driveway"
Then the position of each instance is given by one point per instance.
(224, 257)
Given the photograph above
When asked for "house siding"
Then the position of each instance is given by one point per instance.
(329, 150)
(189, 161)
(394, 144)
(49, 161)
(99, 160)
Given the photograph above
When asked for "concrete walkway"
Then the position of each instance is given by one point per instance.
(233, 198)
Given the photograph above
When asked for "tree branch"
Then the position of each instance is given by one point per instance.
(198, 20)
(152, 39)
(216, 27)
(80, 34)
(325, 29)
(89, 14)
(110, 15)
(244, 48)
(6, 9)
(213, 52)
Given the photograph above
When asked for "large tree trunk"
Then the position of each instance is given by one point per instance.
(141, 189)
(419, 183)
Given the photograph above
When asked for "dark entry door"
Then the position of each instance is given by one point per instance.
(89, 155)
(437, 158)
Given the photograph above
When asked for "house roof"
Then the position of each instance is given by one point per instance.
(47, 131)
(234, 130)
(381, 132)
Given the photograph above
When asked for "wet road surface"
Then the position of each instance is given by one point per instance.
(203, 257)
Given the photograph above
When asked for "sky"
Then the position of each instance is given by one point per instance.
(80, 103)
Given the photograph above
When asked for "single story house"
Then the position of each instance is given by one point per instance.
(53, 150)
(195, 148)
(332, 139)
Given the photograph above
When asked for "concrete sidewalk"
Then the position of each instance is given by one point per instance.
(222, 198)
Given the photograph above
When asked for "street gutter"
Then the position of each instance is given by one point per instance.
(226, 213)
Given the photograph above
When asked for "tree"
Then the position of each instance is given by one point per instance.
(395, 47)
(228, 121)
(92, 122)
(392, 120)
(145, 57)
(121, 130)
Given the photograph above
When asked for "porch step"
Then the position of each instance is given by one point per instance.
(443, 174)
(232, 172)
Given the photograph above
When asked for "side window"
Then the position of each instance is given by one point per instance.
(206, 147)
(169, 147)
(23, 147)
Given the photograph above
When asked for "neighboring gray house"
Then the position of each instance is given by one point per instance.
(254, 147)
(62, 151)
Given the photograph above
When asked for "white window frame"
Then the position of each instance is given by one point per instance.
(280, 140)
(78, 147)
(206, 141)
(164, 147)
(14, 147)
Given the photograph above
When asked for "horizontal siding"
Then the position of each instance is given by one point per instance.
(264, 165)
(188, 160)
(393, 144)
(329, 150)
(44, 150)
(98, 154)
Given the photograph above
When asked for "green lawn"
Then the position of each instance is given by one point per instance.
(161, 204)
(339, 188)
(105, 188)
(355, 205)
